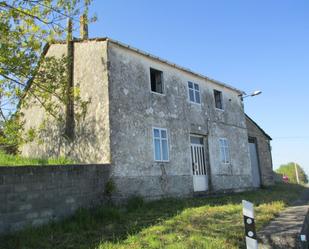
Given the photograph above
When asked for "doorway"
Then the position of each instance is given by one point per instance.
(198, 162)
(255, 165)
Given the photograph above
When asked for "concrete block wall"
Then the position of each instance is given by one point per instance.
(35, 195)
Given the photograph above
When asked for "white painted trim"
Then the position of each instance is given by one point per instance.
(188, 95)
(228, 148)
(153, 144)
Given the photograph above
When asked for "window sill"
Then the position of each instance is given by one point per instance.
(160, 94)
(195, 103)
(218, 109)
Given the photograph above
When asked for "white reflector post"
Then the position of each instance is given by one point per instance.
(248, 213)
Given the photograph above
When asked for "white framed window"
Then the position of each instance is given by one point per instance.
(224, 150)
(194, 92)
(160, 144)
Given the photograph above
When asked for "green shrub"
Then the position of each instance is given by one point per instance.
(110, 187)
(135, 202)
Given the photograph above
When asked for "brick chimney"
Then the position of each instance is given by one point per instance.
(83, 27)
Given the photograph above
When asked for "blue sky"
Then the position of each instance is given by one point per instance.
(248, 44)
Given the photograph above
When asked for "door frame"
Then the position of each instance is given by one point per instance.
(254, 140)
(207, 159)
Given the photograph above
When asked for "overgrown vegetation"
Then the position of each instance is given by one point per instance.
(16, 160)
(209, 222)
(26, 26)
(290, 171)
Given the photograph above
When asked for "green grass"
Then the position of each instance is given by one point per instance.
(208, 222)
(16, 160)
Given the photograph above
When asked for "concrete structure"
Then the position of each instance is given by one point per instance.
(260, 152)
(35, 195)
(165, 130)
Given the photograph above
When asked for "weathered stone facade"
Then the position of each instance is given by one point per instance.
(118, 128)
(91, 142)
(263, 150)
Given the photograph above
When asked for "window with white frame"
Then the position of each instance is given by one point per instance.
(160, 143)
(224, 150)
(194, 92)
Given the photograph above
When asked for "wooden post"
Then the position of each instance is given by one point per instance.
(69, 121)
(248, 214)
(296, 173)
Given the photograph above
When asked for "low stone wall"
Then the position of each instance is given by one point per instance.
(34, 195)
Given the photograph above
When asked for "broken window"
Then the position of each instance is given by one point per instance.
(218, 99)
(224, 150)
(156, 80)
(194, 92)
(160, 142)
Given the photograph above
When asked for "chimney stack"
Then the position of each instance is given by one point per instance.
(83, 27)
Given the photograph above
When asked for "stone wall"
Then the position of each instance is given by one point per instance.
(135, 110)
(264, 152)
(34, 195)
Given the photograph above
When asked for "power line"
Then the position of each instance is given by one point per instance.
(296, 137)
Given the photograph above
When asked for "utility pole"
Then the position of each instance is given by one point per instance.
(69, 119)
(296, 173)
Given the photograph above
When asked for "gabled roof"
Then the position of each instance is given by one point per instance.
(158, 59)
(257, 126)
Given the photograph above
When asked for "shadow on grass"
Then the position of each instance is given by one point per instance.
(216, 217)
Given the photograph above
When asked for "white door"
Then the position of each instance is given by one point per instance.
(198, 160)
(255, 168)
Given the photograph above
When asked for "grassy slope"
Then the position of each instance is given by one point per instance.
(12, 160)
(210, 222)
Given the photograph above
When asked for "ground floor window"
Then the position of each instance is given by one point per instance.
(160, 143)
(224, 150)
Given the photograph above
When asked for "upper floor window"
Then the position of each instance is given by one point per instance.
(218, 99)
(194, 92)
(160, 142)
(156, 81)
(224, 150)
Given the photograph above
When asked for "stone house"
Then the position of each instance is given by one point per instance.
(165, 130)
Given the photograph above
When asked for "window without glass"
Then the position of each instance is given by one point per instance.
(224, 150)
(218, 99)
(160, 142)
(156, 81)
(194, 92)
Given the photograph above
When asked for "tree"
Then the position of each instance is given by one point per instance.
(26, 26)
(289, 170)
